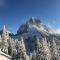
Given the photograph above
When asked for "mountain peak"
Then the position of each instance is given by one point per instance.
(33, 17)
(34, 20)
(34, 25)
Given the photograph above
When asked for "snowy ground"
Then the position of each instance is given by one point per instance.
(4, 56)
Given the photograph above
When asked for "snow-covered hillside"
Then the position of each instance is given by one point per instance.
(4, 56)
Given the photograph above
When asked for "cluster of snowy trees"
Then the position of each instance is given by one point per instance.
(14, 48)
(46, 50)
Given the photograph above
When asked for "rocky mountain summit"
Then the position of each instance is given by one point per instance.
(33, 41)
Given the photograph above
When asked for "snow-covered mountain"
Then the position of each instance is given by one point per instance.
(34, 33)
(33, 41)
(32, 26)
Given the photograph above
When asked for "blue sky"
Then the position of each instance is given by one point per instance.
(14, 13)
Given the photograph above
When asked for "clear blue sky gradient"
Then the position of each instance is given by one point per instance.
(14, 13)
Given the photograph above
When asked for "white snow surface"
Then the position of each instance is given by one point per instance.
(4, 56)
(33, 28)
